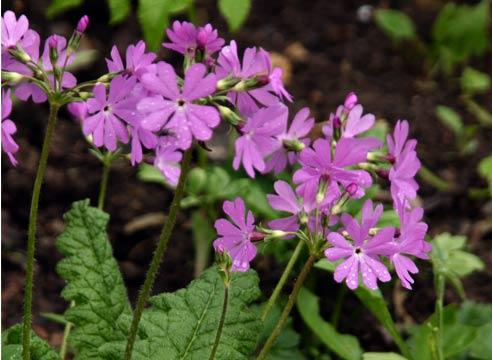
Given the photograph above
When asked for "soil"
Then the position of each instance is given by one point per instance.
(329, 52)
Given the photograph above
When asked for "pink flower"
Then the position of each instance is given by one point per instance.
(78, 110)
(319, 168)
(9, 146)
(357, 123)
(298, 131)
(362, 254)
(13, 30)
(235, 237)
(26, 90)
(173, 109)
(107, 112)
(167, 159)
(257, 139)
(82, 24)
(137, 60)
(399, 145)
(255, 63)
(187, 39)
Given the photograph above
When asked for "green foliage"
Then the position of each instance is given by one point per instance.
(485, 170)
(345, 346)
(450, 259)
(118, 10)
(58, 6)
(474, 81)
(182, 325)
(396, 24)
(382, 356)
(450, 118)
(287, 345)
(153, 16)
(459, 32)
(93, 278)
(235, 12)
(465, 135)
(176, 325)
(12, 346)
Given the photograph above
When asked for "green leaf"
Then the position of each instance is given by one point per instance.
(457, 338)
(182, 325)
(235, 12)
(178, 6)
(148, 173)
(475, 314)
(382, 356)
(485, 169)
(450, 118)
(474, 81)
(396, 24)
(481, 348)
(389, 218)
(153, 16)
(12, 346)
(196, 181)
(203, 235)
(93, 278)
(345, 346)
(58, 6)
(118, 10)
(287, 345)
(326, 265)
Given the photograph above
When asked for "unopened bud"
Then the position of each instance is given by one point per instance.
(350, 101)
(19, 54)
(230, 116)
(351, 189)
(82, 24)
(53, 45)
(337, 123)
(227, 83)
(382, 173)
(257, 236)
(11, 77)
(294, 145)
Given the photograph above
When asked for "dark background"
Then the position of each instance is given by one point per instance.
(326, 51)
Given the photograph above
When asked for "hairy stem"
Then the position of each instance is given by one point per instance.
(218, 334)
(288, 307)
(104, 183)
(158, 254)
(31, 233)
(285, 275)
(439, 284)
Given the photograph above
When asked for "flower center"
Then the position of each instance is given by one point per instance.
(358, 250)
(181, 102)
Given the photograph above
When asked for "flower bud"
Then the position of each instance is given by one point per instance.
(82, 24)
(351, 189)
(293, 145)
(257, 236)
(382, 173)
(350, 101)
(229, 115)
(227, 83)
(11, 77)
(19, 54)
(53, 46)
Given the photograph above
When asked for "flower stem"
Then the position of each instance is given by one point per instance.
(440, 285)
(158, 254)
(31, 234)
(285, 275)
(218, 334)
(434, 180)
(66, 333)
(288, 307)
(104, 182)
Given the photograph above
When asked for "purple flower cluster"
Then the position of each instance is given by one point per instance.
(334, 169)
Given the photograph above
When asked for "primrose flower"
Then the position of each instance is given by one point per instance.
(399, 145)
(78, 110)
(26, 90)
(411, 241)
(257, 139)
(357, 123)
(235, 237)
(187, 39)
(107, 111)
(82, 24)
(9, 146)
(255, 64)
(402, 177)
(16, 32)
(137, 60)
(172, 109)
(167, 159)
(140, 138)
(361, 254)
(320, 170)
(296, 136)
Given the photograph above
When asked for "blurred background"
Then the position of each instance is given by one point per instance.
(427, 61)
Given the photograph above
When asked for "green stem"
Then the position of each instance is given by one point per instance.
(440, 285)
(31, 238)
(66, 333)
(432, 179)
(218, 334)
(285, 275)
(288, 307)
(104, 182)
(158, 254)
(342, 293)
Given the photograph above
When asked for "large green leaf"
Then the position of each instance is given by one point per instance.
(345, 346)
(474, 81)
(235, 12)
(182, 325)
(153, 16)
(118, 10)
(12, 346)
(94, 282)
(58, 6)
(382, 356)
(396, 24)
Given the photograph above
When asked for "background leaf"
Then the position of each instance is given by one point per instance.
(235, 12)
(118, 10)
(396, 24)
(450, 118)
(58, 6)
(474, 81)
(12, 346)
(153, 16)
(345, 346)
